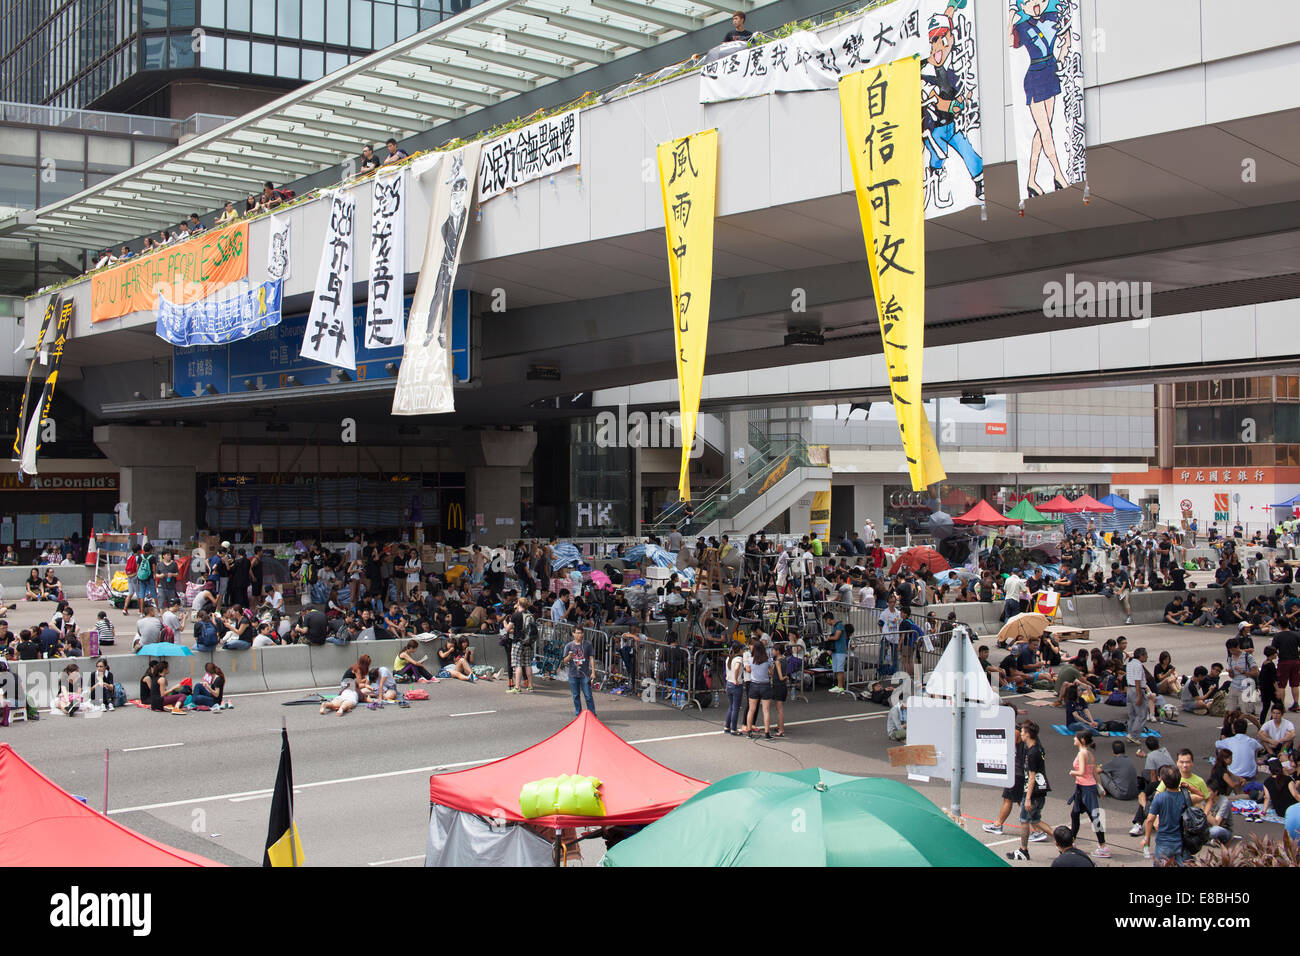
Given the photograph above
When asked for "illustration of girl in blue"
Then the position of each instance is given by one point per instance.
(1036, 26)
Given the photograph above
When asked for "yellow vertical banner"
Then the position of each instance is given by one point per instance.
(688, 181)
(819, 516)
(882, 124)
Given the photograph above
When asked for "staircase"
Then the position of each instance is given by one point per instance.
(778, 475)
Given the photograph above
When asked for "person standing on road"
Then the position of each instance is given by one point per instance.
(578, 656)
(735, 688)
(837, 641)
(1087, 792)
(1036, 790)
(1165, 820)
(1136, 680)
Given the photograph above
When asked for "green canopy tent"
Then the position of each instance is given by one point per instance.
(1027, 513)
(808, 817)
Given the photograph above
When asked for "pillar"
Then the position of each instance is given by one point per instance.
(493, 489)
(159, 467)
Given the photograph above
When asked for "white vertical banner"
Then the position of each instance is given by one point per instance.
(328, 336)
(277, 251)
(424, 382)
(384, 325)
(1045, 53)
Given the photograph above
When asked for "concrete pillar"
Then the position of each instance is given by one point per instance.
(493, 489)
(869, 502)
(158, 470)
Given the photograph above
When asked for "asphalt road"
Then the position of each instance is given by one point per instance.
(202, 782)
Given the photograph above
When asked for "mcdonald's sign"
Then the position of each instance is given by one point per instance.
(455, 516)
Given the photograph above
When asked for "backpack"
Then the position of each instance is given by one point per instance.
(132, 563)
(144, 570)
(1195, 827)
(529, 637)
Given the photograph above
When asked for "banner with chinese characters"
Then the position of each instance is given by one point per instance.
(277, 250)
(882, 120)
(230, 315)
(187, 271)
(384, 325)
(328, 336)
(819, 517)
(1045, 53)
(32, 436)
(47, 323)
(688, 181)
(529, 153)
(942, 32)
(424, 382)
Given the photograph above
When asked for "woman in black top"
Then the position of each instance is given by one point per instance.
(34, 589)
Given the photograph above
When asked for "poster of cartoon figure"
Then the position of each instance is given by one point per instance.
(1046, 60)
(950, 112)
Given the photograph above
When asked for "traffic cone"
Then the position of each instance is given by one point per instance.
(92, 551)
(144, 536)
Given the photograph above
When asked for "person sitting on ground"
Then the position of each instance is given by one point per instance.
(1117, 776)
(407, 665)
(1192, 699)
(1277, 734)
(206, 635)
(1067, 854)
(1244, 750)
(1281, 792)
(210, 691)
(155, 692)
(1077, 715)
(1166, 675)
(452, 664)
(384, 683)
(1218, 811)
(103, 689)
(34, 590)
(71, 690)
(266, 635)
(896, 722)
(239, 630)
(1175, 613)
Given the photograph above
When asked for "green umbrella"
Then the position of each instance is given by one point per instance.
(804, 818)
(1028, 514)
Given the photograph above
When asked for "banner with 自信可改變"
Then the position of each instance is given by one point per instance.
(328, 335)
(882, 119)
(941, 32)
(531, 152)
(688, 182)
(1045, 56)
(424, 381)
(384, 318)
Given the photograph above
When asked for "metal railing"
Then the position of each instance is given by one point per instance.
(123, 124)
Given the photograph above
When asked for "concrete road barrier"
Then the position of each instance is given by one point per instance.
(287, 667)
(243, 670)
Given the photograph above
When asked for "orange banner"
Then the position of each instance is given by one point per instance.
(185, 272)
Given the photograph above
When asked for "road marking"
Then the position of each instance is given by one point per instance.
(473, 713)
(127, 750)
(1004, 842)
(400, 859)
(259, 796)
(300, 786)
(252, 794)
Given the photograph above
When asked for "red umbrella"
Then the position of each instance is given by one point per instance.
(1091, 505)
(1060, 505)
(922, 558)
(984, 513)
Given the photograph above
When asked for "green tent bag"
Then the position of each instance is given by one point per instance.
(574, 796)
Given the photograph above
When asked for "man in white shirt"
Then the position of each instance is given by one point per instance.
(869, 534)
(866, 596)
(1135, 692)
(1015, 590)
(890, 620)
(353, 548)
(1278, 734)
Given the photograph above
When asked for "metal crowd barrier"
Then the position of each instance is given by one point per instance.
(549, 651)
(865, 620)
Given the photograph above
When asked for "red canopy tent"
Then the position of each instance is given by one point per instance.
(635, 791)
(1060, 505)
(1090, 505)
(44, 825)
(984, 513)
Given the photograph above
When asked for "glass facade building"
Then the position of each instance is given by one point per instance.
(118, 54)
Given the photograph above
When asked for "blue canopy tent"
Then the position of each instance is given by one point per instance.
(1292, 502)
(1125, 516)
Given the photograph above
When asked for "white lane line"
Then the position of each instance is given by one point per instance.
(300, 786)
(127, 750)
(472, 713)
(445, 766)
(400, 859)
(260, 796)
(1004, 842)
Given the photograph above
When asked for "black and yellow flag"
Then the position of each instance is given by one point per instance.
(881, 107)
(51, 310)
(283, 848)
(688, 180)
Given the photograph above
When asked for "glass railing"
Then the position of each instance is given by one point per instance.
(731, 494)
(123, 124)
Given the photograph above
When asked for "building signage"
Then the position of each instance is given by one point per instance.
(88, 482)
